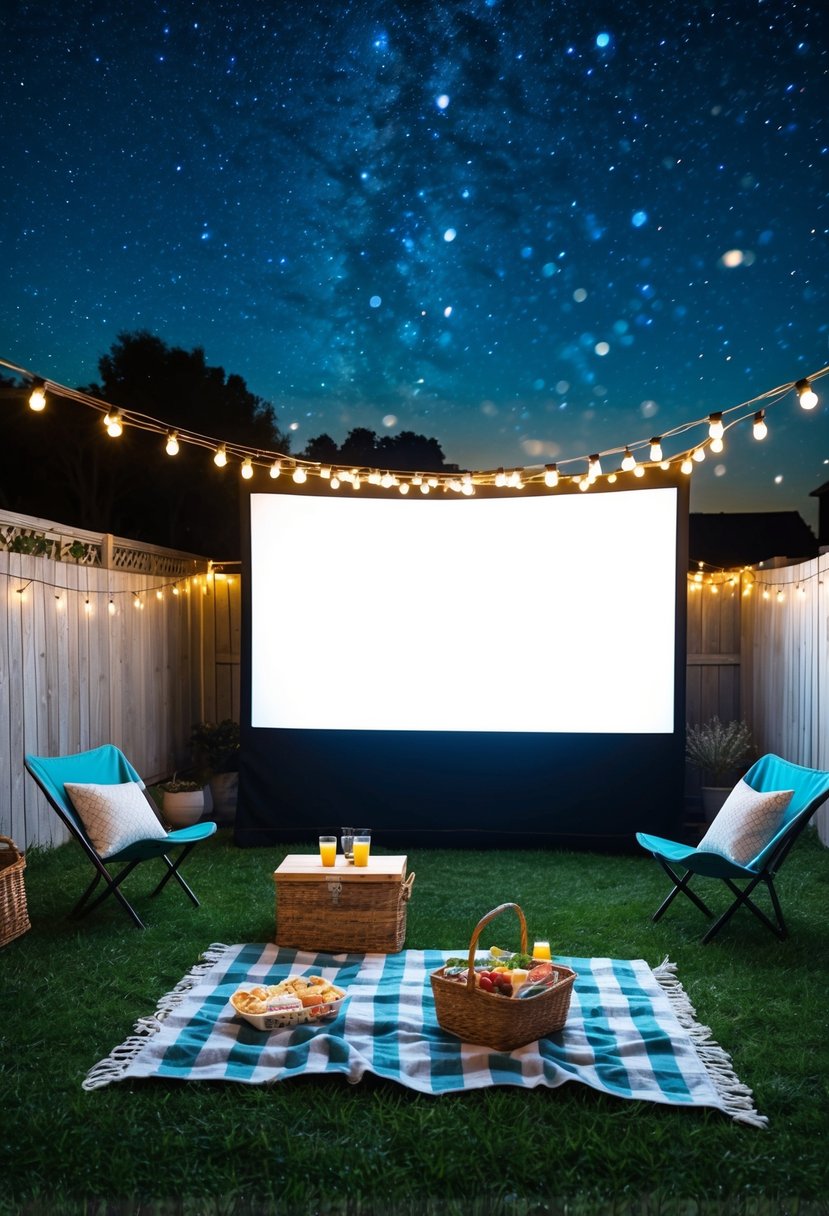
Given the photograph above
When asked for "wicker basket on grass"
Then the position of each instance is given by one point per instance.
(495, 1021)
(14, 917)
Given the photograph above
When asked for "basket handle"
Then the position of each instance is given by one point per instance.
(6, 842)
(406, 886)
(470, 975)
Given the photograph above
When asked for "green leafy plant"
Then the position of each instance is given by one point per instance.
(215, 747)
(718, 748)
(32, 543)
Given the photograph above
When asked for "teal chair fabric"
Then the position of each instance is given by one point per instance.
(107, 765)
(683, 862)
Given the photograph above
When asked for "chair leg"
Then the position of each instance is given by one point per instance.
(173, 872)
(743, 897)
(680, 884)
(111, 888)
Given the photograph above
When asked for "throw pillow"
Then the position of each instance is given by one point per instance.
(746, 823)
(115, 816)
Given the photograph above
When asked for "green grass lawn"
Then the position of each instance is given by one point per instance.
(71, 990)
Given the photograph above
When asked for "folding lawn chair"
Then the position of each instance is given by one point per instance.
(113, 813)
(750, 823)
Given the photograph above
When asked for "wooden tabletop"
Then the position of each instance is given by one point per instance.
(302, 866)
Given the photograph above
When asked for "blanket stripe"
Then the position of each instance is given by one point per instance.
(631, 1032)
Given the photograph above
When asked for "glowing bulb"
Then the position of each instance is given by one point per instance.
(760, 429)
(404, 487)
(112, 607)
(114, 424)
(417, 480)
(159, 595)
(171, 447)
(686, 466)
(698, 455)
(220, 458)
(500, 478)
(374, 478)
(550, 475)
(433, 483)
(594, 467)
(628, 461)
(806, 394)
(639, 471)
(780, 597)
(716, 430)
(325, 473)
(611, 479)
(717, 445)
(656, 450)
(37, 397)
(424, 487)
(175, 591)
(585, 484)
(335, 482)
(275, 469)
(300, 475)
(387, 481)
(136, 602)
(247, 468)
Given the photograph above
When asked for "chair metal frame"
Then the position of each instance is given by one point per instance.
(107, 765)
(682, 863)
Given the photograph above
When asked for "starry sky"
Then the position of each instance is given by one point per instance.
(531, 230)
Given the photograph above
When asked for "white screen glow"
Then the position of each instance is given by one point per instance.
(549, 613)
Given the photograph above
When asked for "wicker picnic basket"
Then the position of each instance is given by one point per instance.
(14, 917)
(495, 1021)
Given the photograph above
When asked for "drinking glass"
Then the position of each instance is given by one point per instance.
(347, 842)
(362, 846)
(328, 850)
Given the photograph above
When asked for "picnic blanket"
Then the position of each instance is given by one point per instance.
(631, 1032)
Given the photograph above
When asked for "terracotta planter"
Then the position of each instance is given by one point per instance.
(183, 809)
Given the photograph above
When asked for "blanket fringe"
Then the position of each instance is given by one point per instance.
(113, 1067)
(737, 1099)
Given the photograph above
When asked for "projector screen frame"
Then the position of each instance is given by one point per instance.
(478, 789)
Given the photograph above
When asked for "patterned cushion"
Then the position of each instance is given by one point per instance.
(115, 816)
(746, 823)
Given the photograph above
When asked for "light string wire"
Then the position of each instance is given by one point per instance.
(334, 472)
(176, 587)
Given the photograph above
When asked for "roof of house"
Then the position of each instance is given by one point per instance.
(744, 538)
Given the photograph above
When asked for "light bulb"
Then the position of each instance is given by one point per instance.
(417, 480)
(325, 472)
(424, 487)
(500, 478)
(275, 469)
(37, 397)
(112, 607)
(247, 468)
(220, 458)
(611, 479)
(639, 471)
(594, 467)
(628, 460)
(374, 478)
(585, 484)
(806, 394)
(656, 449)
(717, 445)
(387, 481)
(172, 444)
(698, 455)
(550, 475)
(114, 424)
(300, 475)
(686, 466)
(760, 429)
(404, 487)
(335, 482)
(716, 430)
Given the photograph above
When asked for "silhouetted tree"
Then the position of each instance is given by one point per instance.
(405, 452)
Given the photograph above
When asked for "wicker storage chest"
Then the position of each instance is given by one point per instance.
(343, 907)
(14, 915)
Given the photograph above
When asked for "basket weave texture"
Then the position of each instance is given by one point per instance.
(14, 916)
(361, 918)
(495, 1021)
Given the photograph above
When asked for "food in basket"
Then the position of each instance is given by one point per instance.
(504, 974)
(295, 994)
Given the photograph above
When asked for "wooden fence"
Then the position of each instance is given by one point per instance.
(107, 640)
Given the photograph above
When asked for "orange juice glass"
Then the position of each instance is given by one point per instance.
(362, 848)
(328, 850)
(541, 950)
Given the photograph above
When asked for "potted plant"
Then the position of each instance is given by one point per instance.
(720, 751)
(215, 750)
(182, 802)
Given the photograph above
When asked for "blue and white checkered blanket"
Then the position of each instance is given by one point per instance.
(631, 1032)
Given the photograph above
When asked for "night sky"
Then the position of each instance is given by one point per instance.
(531, 230)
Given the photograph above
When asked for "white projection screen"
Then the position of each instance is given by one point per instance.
(541, 633)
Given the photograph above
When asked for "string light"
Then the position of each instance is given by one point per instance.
(300, 475)
(806, 395)
(549, 475)
(759, 429)
(114, 424)
(37, 397)
(171, 447)
(247, 468)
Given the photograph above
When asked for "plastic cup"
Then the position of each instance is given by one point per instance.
(328, 850)
(347, 841)
(362, 847)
